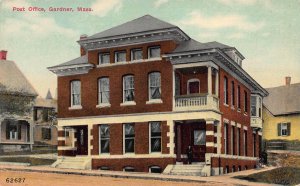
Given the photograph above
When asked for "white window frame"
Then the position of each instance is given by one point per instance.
(124, 151)
(116, 56)
(231, 140)
(132, 54)
(100, 59)
(100, 93)
(154, 47)
(238, 98)
(281, 129)
(225, 137)
(104, 138)
(238, 141)
(232, 94)
(258, 106)
(78, 105)
(246, 102)
(150, 137)
(191, 81)
(149, 86)
(132, 102)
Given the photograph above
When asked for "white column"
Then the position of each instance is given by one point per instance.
(173, 95)
(209, 81)
(171, 135)
(90, 137)
(217, 83)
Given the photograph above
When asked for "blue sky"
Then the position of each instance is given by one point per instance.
(266, 32)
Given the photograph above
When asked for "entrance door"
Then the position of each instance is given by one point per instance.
(82, 140)
(198, 144)
(193, 87)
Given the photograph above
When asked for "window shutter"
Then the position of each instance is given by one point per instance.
(288, 129)
(7, 129)
(19, 130)
(279, 129)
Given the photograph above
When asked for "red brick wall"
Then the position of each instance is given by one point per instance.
(250, 164)
(140, 164)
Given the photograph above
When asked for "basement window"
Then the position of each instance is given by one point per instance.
(128, 169)
(155, 169)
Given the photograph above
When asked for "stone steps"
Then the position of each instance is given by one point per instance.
(187, 170)
(73, 163)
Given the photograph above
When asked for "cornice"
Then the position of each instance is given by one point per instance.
(71, 70)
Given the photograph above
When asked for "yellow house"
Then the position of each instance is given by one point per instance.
(281, 114)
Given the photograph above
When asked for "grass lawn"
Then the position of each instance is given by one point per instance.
(32, 161)
(282, 175)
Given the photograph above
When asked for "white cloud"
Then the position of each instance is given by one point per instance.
(237, 35)
(102, 7)
(265, 3)
(158, 3)
(235, 21)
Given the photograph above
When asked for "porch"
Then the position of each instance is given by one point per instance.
(196, 87)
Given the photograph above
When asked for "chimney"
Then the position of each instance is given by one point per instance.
(82, 51)
(287, 80)
(3, 54)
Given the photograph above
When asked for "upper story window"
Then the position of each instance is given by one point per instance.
(75, 93)
(284, 129)
(136, 54)
(154, 86)
(155, 136)
(225, 90)
(154, 52)
(104, 58)
(129, 135)
(104, 138)
(120, 56)
(256, 106)
(103, 90)
(245, 101)
(232, 93)
(128, 88)
(239, 97)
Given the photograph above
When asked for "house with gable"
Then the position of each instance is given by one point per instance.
(144, 96)
(16, 107)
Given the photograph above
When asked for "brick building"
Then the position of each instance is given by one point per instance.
(142, 92)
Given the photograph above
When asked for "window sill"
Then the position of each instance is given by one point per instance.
(239, 110)
(120, 62)
(103, 65)
(75, 107)
(232, 107)
(245, 114)
(103, 105)
(128, 103)
(154, 101)
(154, 59)
(226, 105)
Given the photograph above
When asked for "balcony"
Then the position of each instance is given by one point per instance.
(194, 102)
(256, 122)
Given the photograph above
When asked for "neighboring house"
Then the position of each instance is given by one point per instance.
(282, 117)
(44, 116)
(143, 91)
(16, 105)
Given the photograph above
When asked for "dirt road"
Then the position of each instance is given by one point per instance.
(49, 179)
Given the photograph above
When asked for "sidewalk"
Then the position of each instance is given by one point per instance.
(223, 179)
(42, 156)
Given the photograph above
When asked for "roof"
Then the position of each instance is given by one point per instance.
(49, 95)
(13, 81)
(48, 103)
(192, 45)
(77, 61)
(283, 100)
(141, 24)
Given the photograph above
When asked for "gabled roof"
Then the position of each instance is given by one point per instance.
(45, 103)
(193, 45)
(13, 81)
(77, 61)
(283, 100)
(141, 24)
(49, 95)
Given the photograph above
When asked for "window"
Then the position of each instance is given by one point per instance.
(154, 52)
(128, 88)
(199, 137)
(177, 84)
(104, 58)
(13, 130)
(155, 169)
(259, 107)
(75, 93)
(46, 133)
(226, 138)
(245, 143)
(284, 129)
(128, 169)
(253, 106)
(155, 136)
(245, 101)
(104, 138)
(103, 88)
(238, 141)
(239, 97)
(232, 139)
(232, 94)
(136, 54)
(256, 104)
(154, 86)
(225, 90)
(254, 144)
(120, 56)
(129, 135)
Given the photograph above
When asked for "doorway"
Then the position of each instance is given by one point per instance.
(82, 140)
(193, 86)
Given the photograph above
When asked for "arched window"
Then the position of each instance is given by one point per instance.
(154, 85)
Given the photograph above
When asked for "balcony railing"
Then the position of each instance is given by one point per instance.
(256, 122)
(196, 102)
